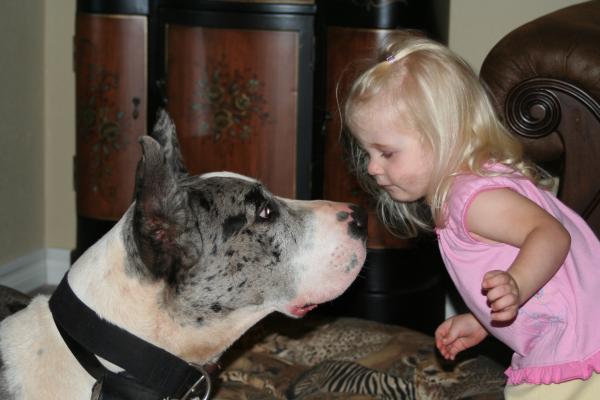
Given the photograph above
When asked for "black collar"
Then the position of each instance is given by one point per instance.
(161, 374)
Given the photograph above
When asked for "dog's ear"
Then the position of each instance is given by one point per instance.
(160, 213)
(164, 132)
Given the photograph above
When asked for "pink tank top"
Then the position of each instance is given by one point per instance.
(556, 335)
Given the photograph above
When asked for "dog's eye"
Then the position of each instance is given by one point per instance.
(264, 213)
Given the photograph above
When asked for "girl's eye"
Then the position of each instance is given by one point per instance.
(386, 154)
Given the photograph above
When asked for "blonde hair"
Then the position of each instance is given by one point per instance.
(440, 96)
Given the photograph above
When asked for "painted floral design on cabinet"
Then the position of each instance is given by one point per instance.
(230, 101)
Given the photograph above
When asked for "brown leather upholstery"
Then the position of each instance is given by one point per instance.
(544, 78)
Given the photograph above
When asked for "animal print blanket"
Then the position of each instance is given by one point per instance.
(344, 358)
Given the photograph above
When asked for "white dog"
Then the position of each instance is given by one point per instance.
(193, 264)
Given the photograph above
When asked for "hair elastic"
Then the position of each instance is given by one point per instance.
(391, 59)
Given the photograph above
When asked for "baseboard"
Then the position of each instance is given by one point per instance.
(58, 262)
(36, 269)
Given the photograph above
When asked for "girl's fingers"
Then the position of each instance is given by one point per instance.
(497, 293)
(504, 315)
(506, 295)
(449, 337)
(509, 300)
(494, 278)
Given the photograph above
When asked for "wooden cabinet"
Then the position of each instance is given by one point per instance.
(110, 59)
(239, 84)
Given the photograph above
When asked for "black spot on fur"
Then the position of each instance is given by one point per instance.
(342, 216)
(243, 283)
(233, 225)
(255, 197)
(277, 255)
(202, 200)
(216, 307)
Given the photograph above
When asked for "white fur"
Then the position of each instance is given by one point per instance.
(225, 174)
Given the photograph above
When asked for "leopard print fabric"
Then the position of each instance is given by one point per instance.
(347, 358)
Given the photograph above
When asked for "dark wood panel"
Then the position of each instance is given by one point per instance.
(110, 65)
(580, 187)
(233, 94)
(342, 66)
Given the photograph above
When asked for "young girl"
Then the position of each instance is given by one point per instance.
(426, 143)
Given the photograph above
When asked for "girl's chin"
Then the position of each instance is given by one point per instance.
(398, 194)
(403, 199)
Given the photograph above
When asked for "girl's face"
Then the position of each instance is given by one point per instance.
(400, 159)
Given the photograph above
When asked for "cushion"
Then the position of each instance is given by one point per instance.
(346, 358)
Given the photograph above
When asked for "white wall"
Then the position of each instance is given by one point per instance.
(59, 124)
(22, 195)
(37, 127)
(476, 25)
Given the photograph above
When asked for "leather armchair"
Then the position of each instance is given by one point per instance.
(544, 78)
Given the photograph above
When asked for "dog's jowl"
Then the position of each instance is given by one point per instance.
(193, 263)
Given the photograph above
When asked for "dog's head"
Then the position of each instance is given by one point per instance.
(222, 242)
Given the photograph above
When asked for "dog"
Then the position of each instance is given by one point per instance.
(192, 264)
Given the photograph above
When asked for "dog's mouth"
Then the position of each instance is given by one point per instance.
(302, 310)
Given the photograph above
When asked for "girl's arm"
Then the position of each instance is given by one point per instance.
(502, 215)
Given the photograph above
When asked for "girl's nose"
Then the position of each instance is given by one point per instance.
(373, 168)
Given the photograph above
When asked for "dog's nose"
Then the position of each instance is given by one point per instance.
(359, 223)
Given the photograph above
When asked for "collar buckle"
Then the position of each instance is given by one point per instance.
(192, 393)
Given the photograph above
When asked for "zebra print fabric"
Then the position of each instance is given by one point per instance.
(349, 377)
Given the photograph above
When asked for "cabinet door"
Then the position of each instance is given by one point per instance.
(338, 183)
(110, 65)
(240, 92)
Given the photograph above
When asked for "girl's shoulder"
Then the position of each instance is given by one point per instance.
(493, 176)
(466, 185)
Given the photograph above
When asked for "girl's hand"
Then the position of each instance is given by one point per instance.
(458, 333)
(502, 294)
